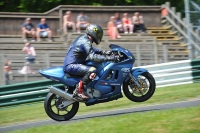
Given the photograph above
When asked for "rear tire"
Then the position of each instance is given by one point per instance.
(53, 112)
(130, 88)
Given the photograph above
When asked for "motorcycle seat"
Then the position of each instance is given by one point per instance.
(73, 76)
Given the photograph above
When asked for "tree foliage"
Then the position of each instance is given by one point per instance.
(45, 5)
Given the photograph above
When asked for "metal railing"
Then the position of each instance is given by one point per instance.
(18, 62)
(175, 73)
(174, 21)
(165, 74)
(146, 53)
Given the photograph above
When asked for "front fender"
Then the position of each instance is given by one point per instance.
(136, 72)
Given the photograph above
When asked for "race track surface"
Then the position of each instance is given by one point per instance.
(183, 104)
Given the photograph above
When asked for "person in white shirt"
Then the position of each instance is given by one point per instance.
(30, 58)
(82, 22)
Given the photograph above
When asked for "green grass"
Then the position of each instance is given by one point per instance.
(184, 120)
(27, 113)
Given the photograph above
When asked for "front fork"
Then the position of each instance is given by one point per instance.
(133, 75)
(134, 80)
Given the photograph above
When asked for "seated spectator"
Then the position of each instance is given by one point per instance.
(30, 58)
(138, 22)
(127, 24)
(112, 29)
(28, 29)
(82, 22)
(118, 23)
(43, 30)
(68, 23)
(7, 71)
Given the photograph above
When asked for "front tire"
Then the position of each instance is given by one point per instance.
(133, 93)
(51, 103)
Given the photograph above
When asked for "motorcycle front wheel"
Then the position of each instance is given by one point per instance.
(136, 94)
(51, 104)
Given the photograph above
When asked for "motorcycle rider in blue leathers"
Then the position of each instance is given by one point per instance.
(80, 51)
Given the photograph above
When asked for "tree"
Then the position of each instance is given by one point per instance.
(45, 5)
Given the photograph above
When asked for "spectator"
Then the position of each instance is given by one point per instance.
(28, 29)
(43, 30)
(82, 22)
(7, 71)
(127, 24)
(112, 29)
(118, 23)
(68, 23)
(138, 22)
(30, 58)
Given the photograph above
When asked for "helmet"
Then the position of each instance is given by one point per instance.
(96, 32)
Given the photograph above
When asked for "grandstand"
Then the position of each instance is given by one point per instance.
(161, 43)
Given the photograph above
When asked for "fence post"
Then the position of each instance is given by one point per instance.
(3, 76)
(27, 69)
(47, 60)
(173, 17)
(187, 14)
(155, 51)
(138, 55)
(165, 53)
(60, 18)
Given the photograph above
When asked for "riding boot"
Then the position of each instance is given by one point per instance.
(80, 91)
(88, 77)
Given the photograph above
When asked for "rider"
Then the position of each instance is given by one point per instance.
(80, 51)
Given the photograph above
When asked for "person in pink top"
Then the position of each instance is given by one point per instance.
(112, 29)
(127, 24)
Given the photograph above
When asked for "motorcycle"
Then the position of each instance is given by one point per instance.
(138, 85)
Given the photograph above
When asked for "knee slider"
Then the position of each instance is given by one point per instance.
(92, 72)
(89, 76)
(92, 69)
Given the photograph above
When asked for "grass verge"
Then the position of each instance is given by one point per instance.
(27, 113)
(185, 120)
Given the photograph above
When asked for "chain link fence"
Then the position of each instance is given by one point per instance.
(194, 10)
(192, 13)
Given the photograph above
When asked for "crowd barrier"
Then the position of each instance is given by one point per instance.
(165, 74)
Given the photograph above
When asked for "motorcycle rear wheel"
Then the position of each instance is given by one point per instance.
(133, 93)
(50, 104)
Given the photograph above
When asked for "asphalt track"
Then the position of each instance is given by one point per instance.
(183, 104)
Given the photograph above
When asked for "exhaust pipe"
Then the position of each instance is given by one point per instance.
(60, 93)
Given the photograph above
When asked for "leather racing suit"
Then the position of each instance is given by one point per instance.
(80, 51)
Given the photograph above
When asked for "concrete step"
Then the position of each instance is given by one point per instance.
(36, 48)
(19, 42)
(18, 38)
(38, 51)
(176, 48)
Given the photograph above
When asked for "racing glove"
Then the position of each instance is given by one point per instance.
(106, 52)
(113, 58)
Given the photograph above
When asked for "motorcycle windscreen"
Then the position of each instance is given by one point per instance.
(57, 74)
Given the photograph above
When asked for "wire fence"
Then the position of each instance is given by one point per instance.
(194, 11)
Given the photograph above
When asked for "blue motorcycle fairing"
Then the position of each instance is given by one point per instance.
(110, 88)
(57, 74)
(126, 52)
(98, 66)
(110, 76)
(136, 72)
